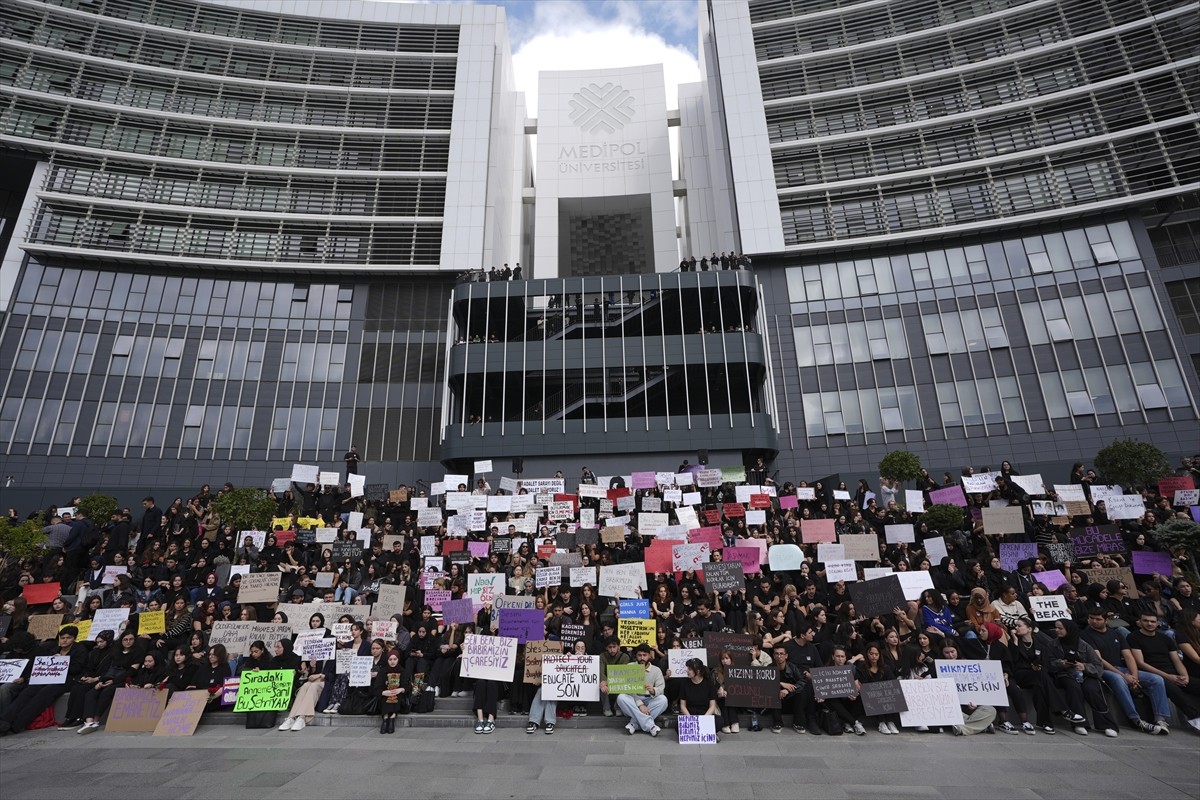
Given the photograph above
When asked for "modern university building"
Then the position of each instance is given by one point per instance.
(234, 233)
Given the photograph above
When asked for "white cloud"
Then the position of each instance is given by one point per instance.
(568, 38)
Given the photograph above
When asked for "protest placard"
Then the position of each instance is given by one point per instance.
(305, 473)
(492, 658)
(265, 690)
(49, 670)
(1096, 539)
(724, 576)
(1011, 553)
(622, 580)
(979, 484)
(259, 587)
(547, 576)
(784, 557)
(115, 619)
(582, 576)
(360, 670)
(182, 714)
(238, 636)
(389, 600)
(461, 612)
(483, 587)
(1061, 552)
(634, 609)
(677, 658)
(40, 593)
(1003, 520)
(571, 633)
(978, 682)
(930, 703)
(571, 678)
(1049, 607)
(876, 597)
(1122, 574)
(633, 632)
(860, 547)
(752, 687)
(689, 557)
(913, 582)
(748, 557)
(883, 697)
(1149, 562)
(831, 682)
(697, 729)
(44, 626)
(817, 530)
(739, 646)
(229, 691)
(111, 572)
(317, 648)
(534, 650)
(1126, 506)
(899, 533)
(135, 710)
(626, 679)
(522, 624)
(11, 669)
(840, 571)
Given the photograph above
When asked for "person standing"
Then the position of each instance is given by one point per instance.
(351, 458)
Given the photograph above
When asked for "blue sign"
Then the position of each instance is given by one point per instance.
(635, 609)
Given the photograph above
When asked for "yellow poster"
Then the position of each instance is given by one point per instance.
(152, 622)
(633, 632)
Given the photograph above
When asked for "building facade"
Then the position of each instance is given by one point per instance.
(233, 233)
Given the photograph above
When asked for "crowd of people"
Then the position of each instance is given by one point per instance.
(1125, 654)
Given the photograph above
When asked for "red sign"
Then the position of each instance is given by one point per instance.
(568, 498)
(817, 530)
(1167, 487)
(38, 593)
(658, 557)
(544, 551)
(712, 516)
(760, 501)
(710, 536)
(283, 537)
(734, 510)
(617, 494)
(453, 546)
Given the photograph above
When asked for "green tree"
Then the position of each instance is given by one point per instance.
(1131, 463)
(944, 517)
(900, 465)
(1179, 534)
(21, 540)
(247, 509)
(98, 507)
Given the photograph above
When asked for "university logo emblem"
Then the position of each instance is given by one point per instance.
(601, 108)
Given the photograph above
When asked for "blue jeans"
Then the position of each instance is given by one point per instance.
(1153, 684)
(542, 711)
(628, 704)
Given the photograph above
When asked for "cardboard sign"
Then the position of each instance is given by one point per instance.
(229, 691)
(1096, 539)
(523, 624)
(39, 593)
(182, 714)
(492, 658)
(111, 572)
(316, 648)
(817, 530)
(49, 670)
(724, 576)
(1003, 520)
(1061, 552)
(697, 729)
(1049, 607)
(877, 597)
(884, 697)
(259, 587)
(115, 619)
(896, 534)
(389, 600)
(914, 500)
(570, 634)
(752, 687)
(861, 547)
(749, 557)
(931, 702)
(979, 484)
(633, 632)
(571, 678)
(265, 690)
(1122, 574)
(136, 711)
(238, 636)
(1127, 506)
(483, 588)
(360, 670)
(978, 682)
(831, 682)
(841, 571)
(784, 557)
(45, 626)
(626, 679)
(534, 650)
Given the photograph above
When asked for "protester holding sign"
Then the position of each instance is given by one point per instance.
(40, 693)
(699, 694)
(644, 709)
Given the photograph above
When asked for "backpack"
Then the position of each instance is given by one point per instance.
(423, 702)
(830, 722)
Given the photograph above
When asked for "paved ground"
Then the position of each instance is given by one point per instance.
(427, 763)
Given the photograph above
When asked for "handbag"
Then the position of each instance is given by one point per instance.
(359, 702)
(423, 702)
(830, 722)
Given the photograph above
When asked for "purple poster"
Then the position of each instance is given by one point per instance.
(523, 623)
(460, 611)
(1147, 562)
(951, 494)
(1010, 554)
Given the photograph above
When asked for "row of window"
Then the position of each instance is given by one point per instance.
(1104, 112)
(154, 137)
(168, 50)
(1133, 50)
(1145, 163)
(235, 23)
(292, 194)
(1185, 300)
(1052, 251)
(238, 239)
(126, 87)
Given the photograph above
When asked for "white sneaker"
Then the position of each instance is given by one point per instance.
(726, 729)
(892, 729)
(298, 725)
(608, 712)
(287, 724)
(655, 731)
(883, 728)
(735, 728)
(1080, 730)
(89, 727)
(1110, 733)
(859, 730)
(1195, 723)
(333, 709)
(631, 728)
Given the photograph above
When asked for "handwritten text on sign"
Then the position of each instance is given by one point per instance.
(489, 657)
(571, 678)
(265, 690)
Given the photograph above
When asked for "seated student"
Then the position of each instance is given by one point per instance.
(34, 699)
(1077, 674)
(212, 674)
(699, 694)
(873, 669)
(392, 691)
(1156, 653)
(94, 667)
(1122, 675)
(792, 686)
(612, 656)
(848, 709)
(643, 709)
(976, 719)
(1031, 651)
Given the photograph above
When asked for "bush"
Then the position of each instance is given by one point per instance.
(98, 507)
(900, 465)
(945, 517)
(246, 509)
(23, 540)
(1131, 463)
(1177, 534)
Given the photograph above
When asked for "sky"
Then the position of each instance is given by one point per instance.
(592, 34)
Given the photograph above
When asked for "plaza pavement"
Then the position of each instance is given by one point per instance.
(226, 761)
